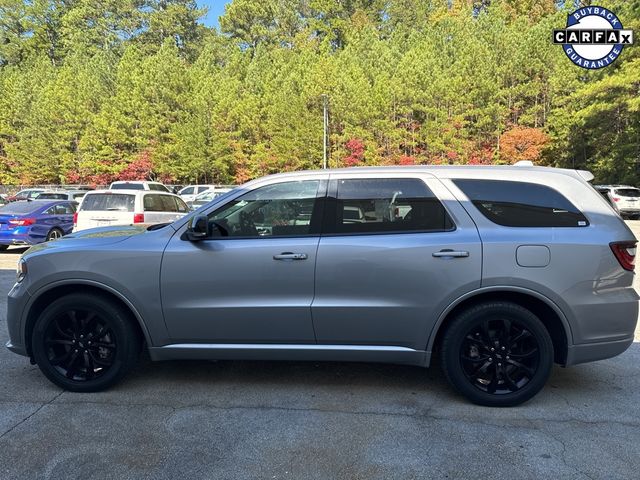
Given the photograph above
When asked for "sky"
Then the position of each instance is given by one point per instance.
(216, 8)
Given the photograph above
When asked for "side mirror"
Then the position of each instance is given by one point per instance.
(198, 229)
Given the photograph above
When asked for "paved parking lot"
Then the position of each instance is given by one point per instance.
(284, 420)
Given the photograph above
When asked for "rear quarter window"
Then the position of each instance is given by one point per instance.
(521, 204)
(108, 201)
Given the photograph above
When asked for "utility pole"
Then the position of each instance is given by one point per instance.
(325, 133)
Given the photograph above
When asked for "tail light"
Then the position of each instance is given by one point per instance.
(22, 222)
(138, 218)
(625, 252)
(75, 219)
(616, 199)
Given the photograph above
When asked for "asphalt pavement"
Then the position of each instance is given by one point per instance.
(293, 420)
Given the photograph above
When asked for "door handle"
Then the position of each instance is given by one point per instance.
(448, 253)
(290, 256)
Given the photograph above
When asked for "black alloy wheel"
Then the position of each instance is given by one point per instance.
(85, 342)
(80, 345)
(497, 354)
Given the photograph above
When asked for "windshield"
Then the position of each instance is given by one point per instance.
(108, 201)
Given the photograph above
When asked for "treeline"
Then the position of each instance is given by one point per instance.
(94, 91)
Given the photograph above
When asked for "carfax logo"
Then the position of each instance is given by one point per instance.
(594, 37)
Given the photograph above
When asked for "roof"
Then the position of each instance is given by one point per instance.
(446, 171)
(129, 191)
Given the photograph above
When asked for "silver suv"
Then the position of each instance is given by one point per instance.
(499, 271)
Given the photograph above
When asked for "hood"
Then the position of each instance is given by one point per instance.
(109, 232)
(93, 237)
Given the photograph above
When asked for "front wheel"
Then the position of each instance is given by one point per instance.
(497, 354)
(84, 343)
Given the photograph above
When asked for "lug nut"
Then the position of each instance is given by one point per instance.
(499, 364)
(490, 359)
(492, 349)
(502, 348)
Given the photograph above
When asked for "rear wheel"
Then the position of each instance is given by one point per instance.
(84, 343)
(497, 354)
(3, 247)
(54, 234)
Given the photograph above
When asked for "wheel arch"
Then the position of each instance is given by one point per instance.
(545, 309)
(54, 291)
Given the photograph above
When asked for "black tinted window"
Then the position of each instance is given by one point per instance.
(158, 187)
(521, 204)
(283, 209)
(628, 192)
(108, 201)
(385, 205)
(64, 209)
(127, 186)
(52, 196)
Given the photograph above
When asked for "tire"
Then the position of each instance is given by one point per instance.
(54, 234)
(107, 342)
(3, 247)
(497, 354)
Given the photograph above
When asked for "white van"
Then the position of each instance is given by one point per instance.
(102, 208)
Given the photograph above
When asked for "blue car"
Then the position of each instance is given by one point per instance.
(37, 221)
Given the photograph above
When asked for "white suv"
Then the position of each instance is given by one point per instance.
(625, 198)
(139, 185)
(103, 208)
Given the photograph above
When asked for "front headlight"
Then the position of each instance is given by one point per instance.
(21, 271)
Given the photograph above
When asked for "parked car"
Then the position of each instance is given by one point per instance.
(498, 271)
(190, 192)
(626, 199)
(36, 221)
(26, 194)
(139, 185)
(72, 195)
(101, 208)
(207, 196)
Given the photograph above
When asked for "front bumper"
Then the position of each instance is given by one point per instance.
(16, 302)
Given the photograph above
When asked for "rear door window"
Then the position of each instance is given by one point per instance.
(64, 209)
(521, 204)
(154, 203)
(384, 205)
(108, 202)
